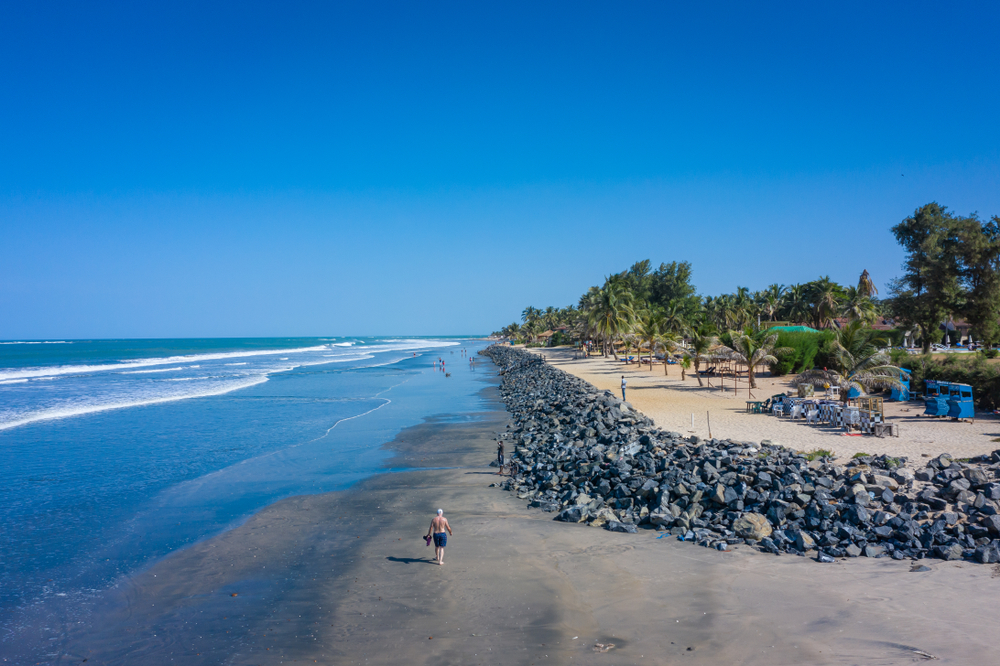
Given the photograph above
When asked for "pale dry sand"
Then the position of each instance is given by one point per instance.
(344, 578)
(670, 402)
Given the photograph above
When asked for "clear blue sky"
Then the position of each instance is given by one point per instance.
(232, 169)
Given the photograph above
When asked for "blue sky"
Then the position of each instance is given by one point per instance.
(217, 169)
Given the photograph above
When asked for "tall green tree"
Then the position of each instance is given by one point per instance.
(929, 289)
(979, 249)
(638, 278)
(672, 283)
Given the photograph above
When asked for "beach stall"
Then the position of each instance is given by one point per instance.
(936, 394)
(901, 394)
(960, 403)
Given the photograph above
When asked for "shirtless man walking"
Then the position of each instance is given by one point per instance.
(438, 528)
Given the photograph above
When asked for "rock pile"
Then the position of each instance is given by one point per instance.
(588, 457)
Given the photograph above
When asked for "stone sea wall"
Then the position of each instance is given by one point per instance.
(589, 457)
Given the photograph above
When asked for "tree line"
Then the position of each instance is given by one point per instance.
(952, 269)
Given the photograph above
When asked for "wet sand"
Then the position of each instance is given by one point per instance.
(345, 578)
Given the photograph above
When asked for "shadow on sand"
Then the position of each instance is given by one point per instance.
(411, 560)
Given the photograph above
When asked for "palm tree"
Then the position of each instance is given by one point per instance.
(550, 318)
(865, 285)
(862, 363)
(530, 315)
(771, 300)
(825, 296)
(649, 328)
(753, 349)
(528, 331)
(700, 343)
(668, 343)
(795, 304)
(674, 320)
(613, 311)
(858, 306)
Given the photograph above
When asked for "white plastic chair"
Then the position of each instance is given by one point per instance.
(812, 415)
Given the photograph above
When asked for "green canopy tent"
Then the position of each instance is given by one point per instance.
(794, 329)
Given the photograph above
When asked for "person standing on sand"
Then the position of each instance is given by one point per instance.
(623, 388)
(440, 529)
(500, 456)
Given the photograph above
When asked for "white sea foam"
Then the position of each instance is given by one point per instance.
(341, 344)
(90, 388)
(38, 342)
(145, 362)
(79, 410)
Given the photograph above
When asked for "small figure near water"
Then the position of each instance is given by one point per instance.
(439, 529)
(500, 456)
(623, 388)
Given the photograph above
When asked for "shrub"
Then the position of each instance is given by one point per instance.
(805, 351)
(816, 454)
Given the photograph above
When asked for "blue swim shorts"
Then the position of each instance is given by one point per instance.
(440, 539)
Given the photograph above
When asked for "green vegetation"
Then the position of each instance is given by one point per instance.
(952, 269)
(860, 454)
(816, 454)
(803, 351)
(859, 361)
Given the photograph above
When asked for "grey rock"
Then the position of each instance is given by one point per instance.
(574, 514)
(615, 526)
(952, 551)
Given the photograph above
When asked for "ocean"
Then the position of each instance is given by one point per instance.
(117, 453)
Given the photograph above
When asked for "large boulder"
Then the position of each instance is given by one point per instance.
(752, 526)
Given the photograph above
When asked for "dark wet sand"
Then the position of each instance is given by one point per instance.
(345, 578)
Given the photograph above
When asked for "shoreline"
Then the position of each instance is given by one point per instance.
(518, 587)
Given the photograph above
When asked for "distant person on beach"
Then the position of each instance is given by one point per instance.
(623, 388)
(500, 456)
(514, 468)
(438, 528)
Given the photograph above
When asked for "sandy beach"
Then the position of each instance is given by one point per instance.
(670, 402)
(344, 578)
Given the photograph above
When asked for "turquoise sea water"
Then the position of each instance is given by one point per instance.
(116, 453)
